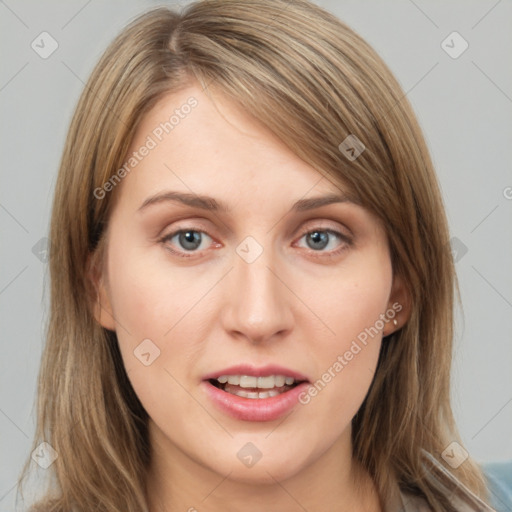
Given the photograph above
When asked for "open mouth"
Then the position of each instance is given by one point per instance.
(248, 386)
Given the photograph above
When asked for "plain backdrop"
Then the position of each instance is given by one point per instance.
(463, 103)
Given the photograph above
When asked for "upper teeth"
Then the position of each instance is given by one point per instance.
(248, 381)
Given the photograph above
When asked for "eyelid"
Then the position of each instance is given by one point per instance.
(327, 225)
(337, 232)
(319, 226)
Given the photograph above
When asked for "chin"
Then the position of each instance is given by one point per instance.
(261, 474)
(278, 465)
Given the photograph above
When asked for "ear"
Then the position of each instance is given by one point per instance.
(100, 300)
(400, 303)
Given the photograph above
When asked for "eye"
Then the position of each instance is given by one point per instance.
(319, 239)
(187, 240)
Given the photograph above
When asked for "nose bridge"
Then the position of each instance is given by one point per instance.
(257, 305)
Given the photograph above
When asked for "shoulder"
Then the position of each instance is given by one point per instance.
(499, 481)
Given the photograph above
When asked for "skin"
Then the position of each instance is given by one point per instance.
(295, 306)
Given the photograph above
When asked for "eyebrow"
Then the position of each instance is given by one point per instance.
(209, 203)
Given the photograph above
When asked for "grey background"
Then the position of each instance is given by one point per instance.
(464, 106)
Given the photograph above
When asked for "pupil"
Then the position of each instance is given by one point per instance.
(318, 237)
(190, 239)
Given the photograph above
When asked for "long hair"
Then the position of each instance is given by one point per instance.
(312, 81)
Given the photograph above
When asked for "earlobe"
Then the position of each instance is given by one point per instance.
(400, 304)
(99, 296)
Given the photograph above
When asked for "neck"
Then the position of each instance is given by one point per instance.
(334, 481)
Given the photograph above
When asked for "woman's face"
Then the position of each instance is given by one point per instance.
(263, 281)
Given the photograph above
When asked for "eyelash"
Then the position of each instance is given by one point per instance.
(347, 242)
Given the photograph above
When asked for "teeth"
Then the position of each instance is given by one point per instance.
(279, 381)
(266, 382)
(254, 394)
(248, 381)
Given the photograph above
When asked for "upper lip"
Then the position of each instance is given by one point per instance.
(262, 371)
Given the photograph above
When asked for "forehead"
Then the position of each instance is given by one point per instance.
(193, 144)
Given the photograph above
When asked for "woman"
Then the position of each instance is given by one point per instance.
(252, 287)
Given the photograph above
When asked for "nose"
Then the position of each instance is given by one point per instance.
(257, 302)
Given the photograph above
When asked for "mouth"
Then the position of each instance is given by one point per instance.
(254, 388)
(250, 394)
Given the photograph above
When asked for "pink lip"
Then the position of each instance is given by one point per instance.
(254, 409)
(264, 371)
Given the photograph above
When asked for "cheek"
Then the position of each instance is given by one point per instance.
(152, 301)
(155, 323)
(156, 302)
(350, 300)
(149, 297)
(347, 354)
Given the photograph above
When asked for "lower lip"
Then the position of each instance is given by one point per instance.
(254, 409)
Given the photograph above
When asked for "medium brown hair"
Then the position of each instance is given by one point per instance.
(312, 81)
